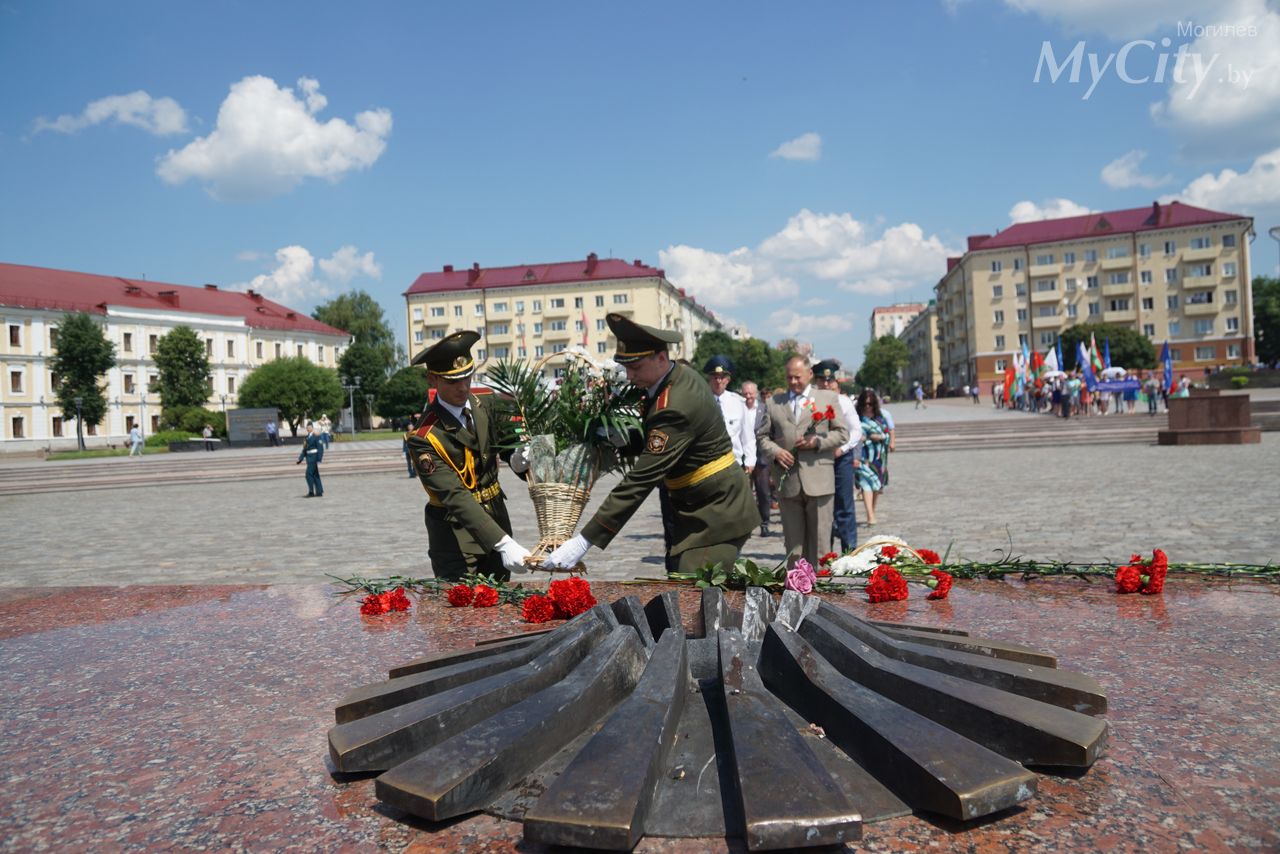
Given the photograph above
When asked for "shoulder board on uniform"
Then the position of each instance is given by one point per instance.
(661, 402)
(427, 423)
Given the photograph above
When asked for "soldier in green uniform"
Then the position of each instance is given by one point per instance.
(686, 448)
(454, 451)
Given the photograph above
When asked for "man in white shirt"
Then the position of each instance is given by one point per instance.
(844, 521)
(740, 423)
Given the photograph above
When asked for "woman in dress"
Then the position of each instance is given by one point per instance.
(872, 472)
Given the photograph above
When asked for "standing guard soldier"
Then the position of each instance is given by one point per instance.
(312, 453)
(686, 448)
(454, 451)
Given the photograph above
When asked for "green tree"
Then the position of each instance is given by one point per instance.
(752, 358)
(360, 316)
(182, 369)
(297, 387)
(1266, 318)
(367, 364)
(83, 355)
(882, 360)
(1129, 348)
(403, 395)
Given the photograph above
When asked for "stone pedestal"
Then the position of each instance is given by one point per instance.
(1208, 418)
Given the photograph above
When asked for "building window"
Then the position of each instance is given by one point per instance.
(1090, 256)
(1068, 257)
(418, 337)
(523, 352)
(128, 342)
(538, 352)
(1171, 301)
(558, 348)
(1199, 298)
(1043, 285)
(577, 302)
(53, 338)
(91, 429)
(1091, 282)
(1206, 354)
(997, 266)
(1171, 275)
(1228, 240)
(537, 306)
(1020, 289)
(57, 426)
(579, 326)
(128, 384)
(500, 307)
(600, 304)
(1017, 264)
(1202, 270)
(299, 351)
(600, 325)
(1171, 247)
(620, 299)
(15, 382)
(1118, 305)
(151, 380)
(437, 334)
(15, 335)
(1148, 303)
(1117, 252)
(257, 349)
(519, 306)
(499, 329)
(480, 355)
(1071, 285)
(1145, 277)
(436, 311)
(18, 427)
(208, 346)
(1233, 324)
(279, 349)
(1073, 310)
(1201, 242)
(602, 347)
(1230, 297)
(417, 312)
(1144, 250)
(320, 353)
(231, 349)
(1233, 351)
(457, 311)
(1022, 315)
(1119, 278)
(1046, 339)
(997, 291)
(1042, 260)
(1203, 326)
(500, 352)
(1175, 327)
(537, 328)
(556, 302)
(1149, 330)
(556, 325)
(999, 342)
(1023, 341)
(1229, 270)
(152, 341)
(1047, 311)
(998, 317)
(1095, 308)
(231, 385)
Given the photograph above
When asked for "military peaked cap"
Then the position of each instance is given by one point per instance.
(826, 369)
(636, 341)
(718, 366)
(450, 357)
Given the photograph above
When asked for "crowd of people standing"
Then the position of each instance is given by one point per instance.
(1070, 396)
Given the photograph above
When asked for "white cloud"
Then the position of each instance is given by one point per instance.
(296, 282)
(267, 141)
(1125, 171)
(724, 279)
(248, 255)
(1256, 189)
(1026, 211)
(792, 324)
(1118, 19)
(160, 116)
(807, 146)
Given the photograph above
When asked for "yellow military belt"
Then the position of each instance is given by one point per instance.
(702, 472)
(481, 496)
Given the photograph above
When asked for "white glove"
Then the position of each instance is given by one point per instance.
(513, 555)
(520, 460)
(569, 555)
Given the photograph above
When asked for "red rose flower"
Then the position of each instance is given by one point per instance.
(889, 552)
(1155, 574)
(460, 595)
(571, 596)
(827, 559)
(1128, 579)
(930, 557)
(943, 584)
(831, 413)
(485, 596)
(824, 573)
(538, 609)
(886, 585)
(396, 600)
(373, 605)
(818, 416)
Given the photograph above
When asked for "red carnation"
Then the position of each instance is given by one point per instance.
(886, 585)
(824, 573)
(538, 609)
(943, 584)
(571, 596)
(1156, 572)
(373, 605)
(460, 595)
(396, 600)
(889, 552)
(930, 557)
(485, 596)
(827, 559)
(831, 414)
(1128, 579)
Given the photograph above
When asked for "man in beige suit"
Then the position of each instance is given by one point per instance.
(800, 431)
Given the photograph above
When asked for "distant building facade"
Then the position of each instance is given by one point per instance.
(892, 319)
(533, 312)
(240, 330)
(1171, 272)
(921, 337)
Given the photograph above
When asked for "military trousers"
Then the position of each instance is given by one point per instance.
(449, 560)
(691, 559)
(314, 486)
(806, 523)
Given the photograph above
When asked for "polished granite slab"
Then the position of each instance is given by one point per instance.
(195, 717)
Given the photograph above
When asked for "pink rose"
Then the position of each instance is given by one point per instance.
(801, 577)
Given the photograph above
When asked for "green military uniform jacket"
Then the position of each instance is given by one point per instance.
(686, 446)
(466, 514)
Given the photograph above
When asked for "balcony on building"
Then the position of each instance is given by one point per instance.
(1045, 296)
(1052, 321)
(1209, 253)
(1123, 316)
(1109, 290)
(1042, 270)
(1122, 263)
(556, 334)
(562, 311)
(499, 337)
(1199, 282)
(1199, 309)
(435, 321)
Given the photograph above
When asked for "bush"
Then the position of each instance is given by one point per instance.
(163, 438)
(192, 419)
(1239, 382)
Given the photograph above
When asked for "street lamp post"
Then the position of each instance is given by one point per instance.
(1275, 235)
(143, 426)
(225, 425)
(79, 401)
(368, 399)
(352, 386)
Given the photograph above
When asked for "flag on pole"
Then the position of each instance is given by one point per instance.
(1037, 368)
(1084, 364)
(1008, 384)
(1106, 350)
(1057, 346)
(584, 328)
(1053, 360)
(1026, 364)
(1167, 361)
(1095, 361)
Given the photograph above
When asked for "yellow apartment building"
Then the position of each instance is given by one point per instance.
(892, 319)
(531, 312)
(921, 337)
(1172, 272)
(241, 330)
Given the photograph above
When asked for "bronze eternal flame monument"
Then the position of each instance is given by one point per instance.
(787, 725)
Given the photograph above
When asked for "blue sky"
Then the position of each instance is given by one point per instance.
(792, 165)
